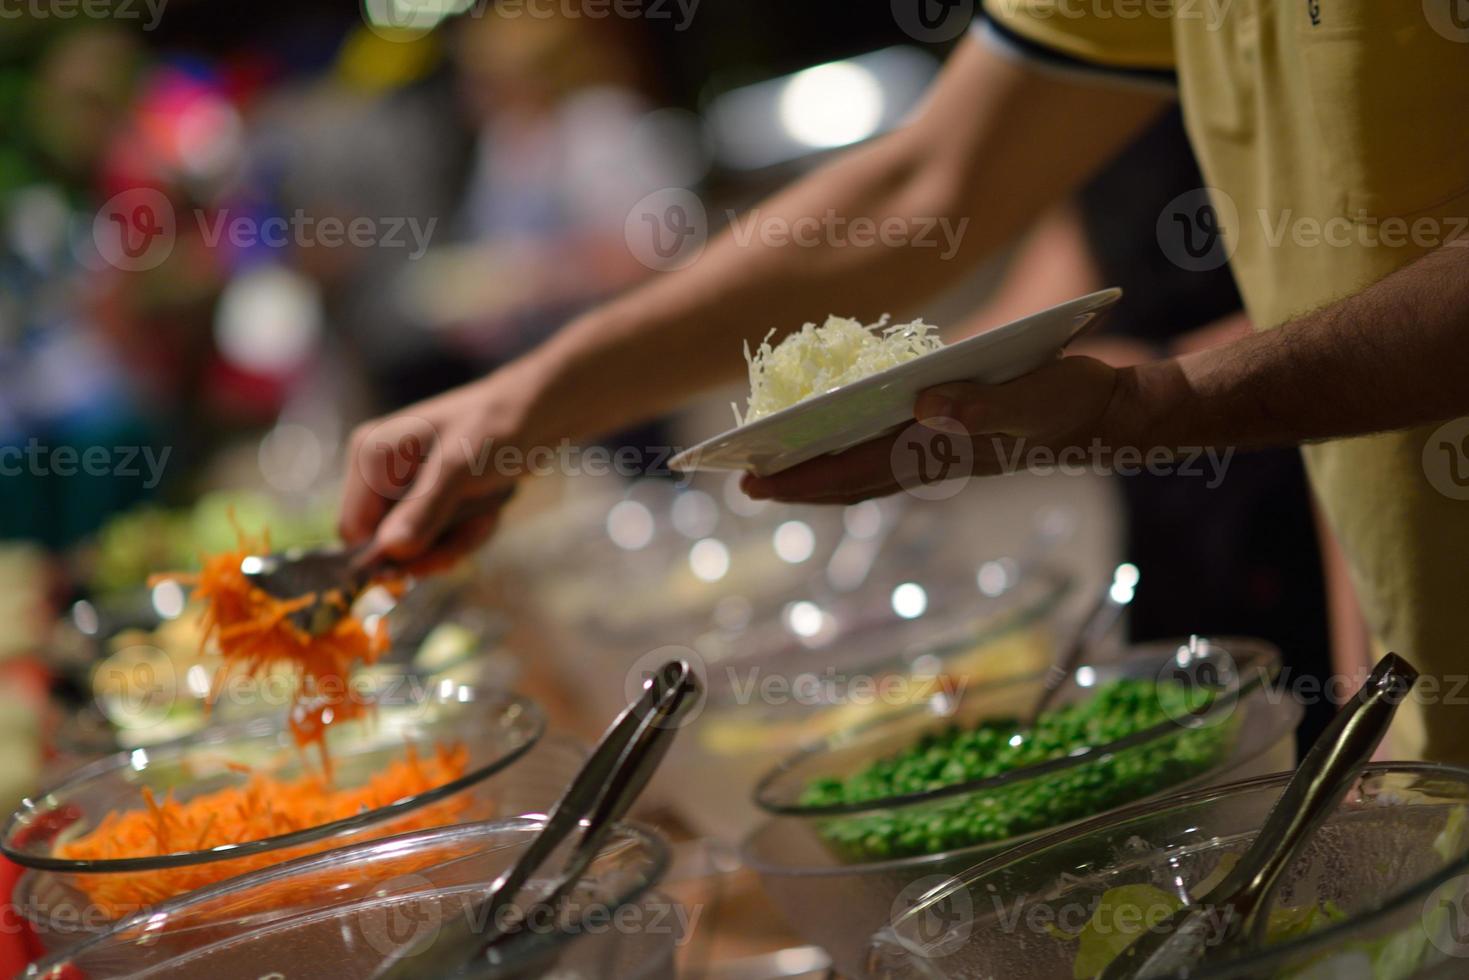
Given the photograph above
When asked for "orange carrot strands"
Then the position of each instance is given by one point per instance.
(254, 634)
(263, 807)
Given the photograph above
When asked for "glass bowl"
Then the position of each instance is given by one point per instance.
(765, 702)
(348, 912)
(836, 895)
(494, 728)
(1378, 892)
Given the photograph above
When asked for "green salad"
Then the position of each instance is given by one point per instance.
(961, 755)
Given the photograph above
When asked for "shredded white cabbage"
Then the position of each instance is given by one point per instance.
(815, 359)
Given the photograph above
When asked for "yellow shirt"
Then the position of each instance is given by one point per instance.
(1334, 135)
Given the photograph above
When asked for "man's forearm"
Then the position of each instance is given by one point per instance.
(1389, 357)
(995, 144)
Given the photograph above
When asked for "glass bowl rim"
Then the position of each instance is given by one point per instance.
(1029, 849)
(1264, 666)
(1054, 582)
(500, 701)
(658, 850)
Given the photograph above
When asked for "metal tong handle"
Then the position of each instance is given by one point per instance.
(1095, 625)
(602, 792)
(1312, 794)
(1320, 782)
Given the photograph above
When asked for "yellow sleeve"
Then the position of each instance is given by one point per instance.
(1124, 39)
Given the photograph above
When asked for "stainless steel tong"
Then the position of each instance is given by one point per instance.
(601, 794)
(1241, 901)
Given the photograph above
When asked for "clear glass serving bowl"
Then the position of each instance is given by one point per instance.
(836, 895)
(349, 912)
(1378, 892)
(496, 729)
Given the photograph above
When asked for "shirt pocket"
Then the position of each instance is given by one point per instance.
(1389, 99)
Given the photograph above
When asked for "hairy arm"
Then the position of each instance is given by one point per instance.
(994, 144)
(1388, 357)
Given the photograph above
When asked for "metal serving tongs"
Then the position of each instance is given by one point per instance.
(1193, 936)
(600, 795)
(334, 575)
(1095, 625)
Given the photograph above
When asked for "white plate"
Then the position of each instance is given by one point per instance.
(852, 414)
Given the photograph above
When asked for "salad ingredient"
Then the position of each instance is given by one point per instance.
(962, 755)
(263, 806)
(815, 359)
(254, 634)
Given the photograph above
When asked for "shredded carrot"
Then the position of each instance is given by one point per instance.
(262, 807)
(254, 634)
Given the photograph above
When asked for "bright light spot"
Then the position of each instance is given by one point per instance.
(805, 618)
(831, 105)
(794, 541)
(1016, 739)
(630, 525)
(252, 565)
(709, 560)
(268, 320)
(863, 520)
(168, 599)
(1124, 583)
(197, 679)
(84, 617)
(993, 578)
(1085, 677)
(139, 759)
(909, 600)
(694, 514)
(418, 15)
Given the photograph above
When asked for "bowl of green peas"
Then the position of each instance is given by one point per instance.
(862, 820)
